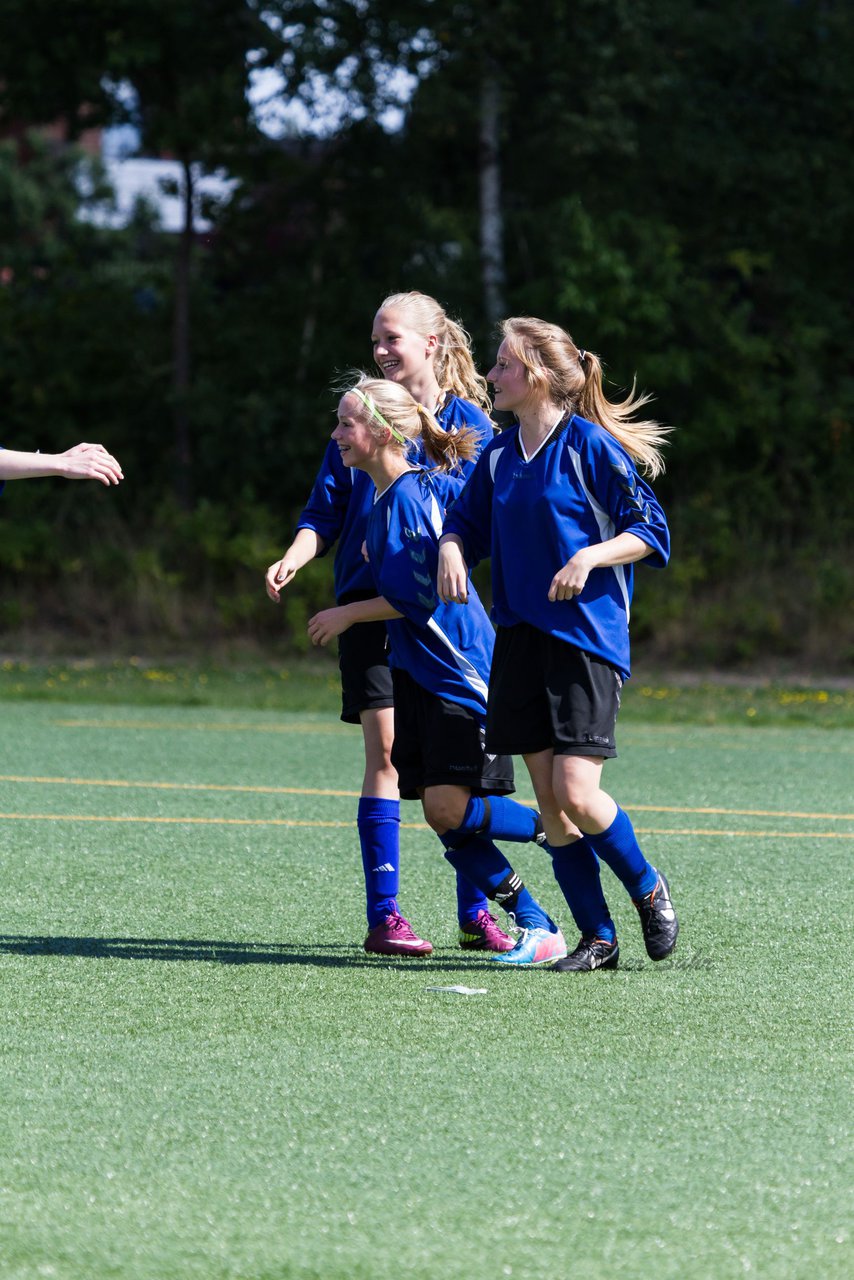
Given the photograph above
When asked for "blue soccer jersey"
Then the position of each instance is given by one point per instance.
(337, 510)
(446, 649)
(341, 499)
(455, 413)
(532, 515)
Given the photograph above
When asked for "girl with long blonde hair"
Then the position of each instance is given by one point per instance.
(439, 655)
(420, 350)
(559, 504)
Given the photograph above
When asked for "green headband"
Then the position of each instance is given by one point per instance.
(375, 413)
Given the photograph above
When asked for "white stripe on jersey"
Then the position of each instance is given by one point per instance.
(493, 461)
(437, 515)
(467, 671)
(607, 528)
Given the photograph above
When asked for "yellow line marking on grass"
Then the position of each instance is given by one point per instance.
(741, 813)
(410, 826)
(321, 791)
(175, 786)
(164, 725)
(210, 822)
(777, 835)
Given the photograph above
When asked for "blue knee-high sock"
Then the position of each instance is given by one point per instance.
(576, 869)
(500, 818)
(470, 900)
(619, 848)
(379, 835)
(485, 865)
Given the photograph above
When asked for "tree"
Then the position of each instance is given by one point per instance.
(188, 65)
(365, 50)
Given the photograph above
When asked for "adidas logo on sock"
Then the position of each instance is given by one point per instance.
(386, 866)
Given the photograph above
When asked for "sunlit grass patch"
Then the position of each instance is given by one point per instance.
(299, 684)
(720, 702)
(205, 1077)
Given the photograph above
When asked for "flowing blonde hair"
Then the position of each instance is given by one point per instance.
(453, 361)
(572, 378)
(389, 406)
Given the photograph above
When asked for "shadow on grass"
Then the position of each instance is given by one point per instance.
(219, 952)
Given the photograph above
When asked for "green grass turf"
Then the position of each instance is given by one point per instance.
(202, 1074)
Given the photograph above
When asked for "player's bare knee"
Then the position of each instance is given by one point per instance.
(578, 804)
(443, 814)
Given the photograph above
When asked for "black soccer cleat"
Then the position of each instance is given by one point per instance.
(658, 920)
(590, 954)
(539, 836)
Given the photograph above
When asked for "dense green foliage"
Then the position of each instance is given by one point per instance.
(676, 191)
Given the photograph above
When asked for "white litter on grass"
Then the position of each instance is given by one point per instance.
(461, 991)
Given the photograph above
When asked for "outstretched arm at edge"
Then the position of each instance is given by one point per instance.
(82, 462)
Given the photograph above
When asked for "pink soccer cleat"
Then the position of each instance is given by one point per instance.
(396, 937)
(484, 934)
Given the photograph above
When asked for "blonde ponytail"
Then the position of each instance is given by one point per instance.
(572, 378)
(446, 449)
(388, 407)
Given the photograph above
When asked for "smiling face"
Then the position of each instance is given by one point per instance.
(401, 354)
(509, 378)
(356, 441)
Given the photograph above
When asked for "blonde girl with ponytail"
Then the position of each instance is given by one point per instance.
(559, 504)
(440, 656)
(417, 345)
(559, 372)
(408, 430)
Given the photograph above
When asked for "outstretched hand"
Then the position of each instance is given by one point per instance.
(89, 462)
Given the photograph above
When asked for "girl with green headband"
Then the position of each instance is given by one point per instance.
(440, 655)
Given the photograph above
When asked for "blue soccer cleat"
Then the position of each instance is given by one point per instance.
(536, 946)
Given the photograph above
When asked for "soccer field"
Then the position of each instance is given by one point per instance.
(204, 1076)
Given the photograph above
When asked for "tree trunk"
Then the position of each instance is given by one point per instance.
(309, 324)
(491, 214)
(181, 348)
